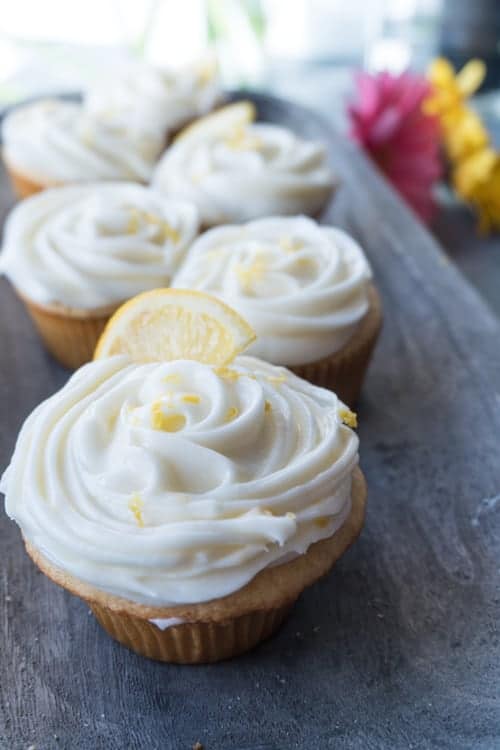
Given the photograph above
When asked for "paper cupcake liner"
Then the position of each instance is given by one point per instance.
(191, 642)
(23, 186)
(69, 335)
(344, 371)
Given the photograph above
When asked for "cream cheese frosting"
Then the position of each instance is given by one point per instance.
(175, 482)
(53, 141)
(244, 172)
(154, 98)
(302, 287)
(93, 245)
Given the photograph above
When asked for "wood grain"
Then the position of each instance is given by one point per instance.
(399, 647)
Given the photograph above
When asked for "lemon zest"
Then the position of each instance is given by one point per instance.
(191, 398)
(276, 379)
(348, 417)
(249, 274)
(136, 216)
(136, 505)
(166, 422)
(232, 413)
(173, 378)
(290, 245)
(227, 373)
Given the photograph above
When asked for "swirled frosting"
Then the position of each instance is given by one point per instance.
(153, 98)
(301, 286)
(240, 173)
(175, 482)
(53, 142)
(93, 245)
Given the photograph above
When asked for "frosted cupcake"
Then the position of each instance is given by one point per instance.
(156, 99)
(189, 505)
(75, 253)
(306, 290)
(53, 142)
(235, 169)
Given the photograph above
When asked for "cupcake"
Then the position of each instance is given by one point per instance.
(52, 142)
(306, 290)
(75, 253)
(235, 169)
(188, 505)
(156, 99)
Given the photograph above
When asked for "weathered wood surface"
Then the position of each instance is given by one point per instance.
(398, 648)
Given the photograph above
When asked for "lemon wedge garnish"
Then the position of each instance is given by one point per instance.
(168, 324)
(227, 119)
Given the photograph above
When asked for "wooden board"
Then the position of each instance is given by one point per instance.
(399, 647)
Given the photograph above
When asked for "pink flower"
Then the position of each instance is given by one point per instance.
(387, 120)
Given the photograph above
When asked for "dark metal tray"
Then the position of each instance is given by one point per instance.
(398, 647)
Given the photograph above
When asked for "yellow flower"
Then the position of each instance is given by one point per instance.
(462, 130)
(475, 164)
(477, 180)
(468, 136)
(450, 91)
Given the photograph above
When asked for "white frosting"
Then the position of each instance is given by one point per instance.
(153, 98)
(166, 622)
(240, 173)
(93, 245)
(53, 141)
(301, 286)
(260, 467)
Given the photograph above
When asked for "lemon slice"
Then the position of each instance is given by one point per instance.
(223, 120)
(168, 324)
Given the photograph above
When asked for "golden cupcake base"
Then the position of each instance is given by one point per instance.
(221, 628)
(344, 371)
(191, 643)
(22, 185)
(69, 334)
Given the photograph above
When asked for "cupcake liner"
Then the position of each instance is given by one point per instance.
(344, 371)
(69, 334)
(22, 185)
(191, 642)
(221, 628)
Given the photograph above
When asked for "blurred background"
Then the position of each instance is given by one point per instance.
(301, 48)
(305, 50)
